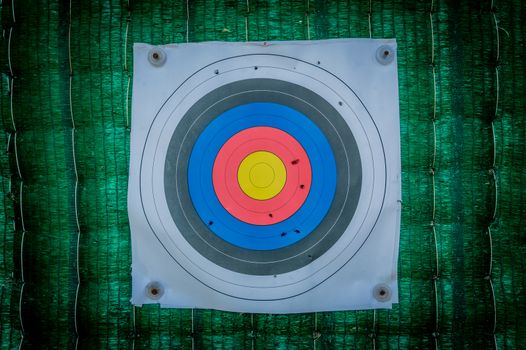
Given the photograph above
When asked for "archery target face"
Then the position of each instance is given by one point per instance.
(260, 179)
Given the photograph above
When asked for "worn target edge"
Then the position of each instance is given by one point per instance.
(157, 101)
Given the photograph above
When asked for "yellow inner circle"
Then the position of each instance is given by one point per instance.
(261, 175)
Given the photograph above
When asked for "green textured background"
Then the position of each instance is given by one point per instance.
(64, 102)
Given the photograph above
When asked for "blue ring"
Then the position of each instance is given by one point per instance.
(264, 237)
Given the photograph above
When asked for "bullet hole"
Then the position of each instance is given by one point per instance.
(295, 161)
(297, 231)
(270, 215)
(210, 223)
(283, 234)
(302, 186)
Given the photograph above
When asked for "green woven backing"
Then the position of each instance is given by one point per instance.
(65, 107)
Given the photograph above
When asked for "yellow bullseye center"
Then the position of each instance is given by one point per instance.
(261, 175)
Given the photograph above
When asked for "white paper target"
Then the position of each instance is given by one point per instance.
(265, 177)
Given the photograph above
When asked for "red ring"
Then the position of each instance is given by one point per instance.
(285, 203)
(251, 204)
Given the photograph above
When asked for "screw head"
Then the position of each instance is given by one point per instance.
(382, 292)
(157, 57)
(154, 290)
(385, 54)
